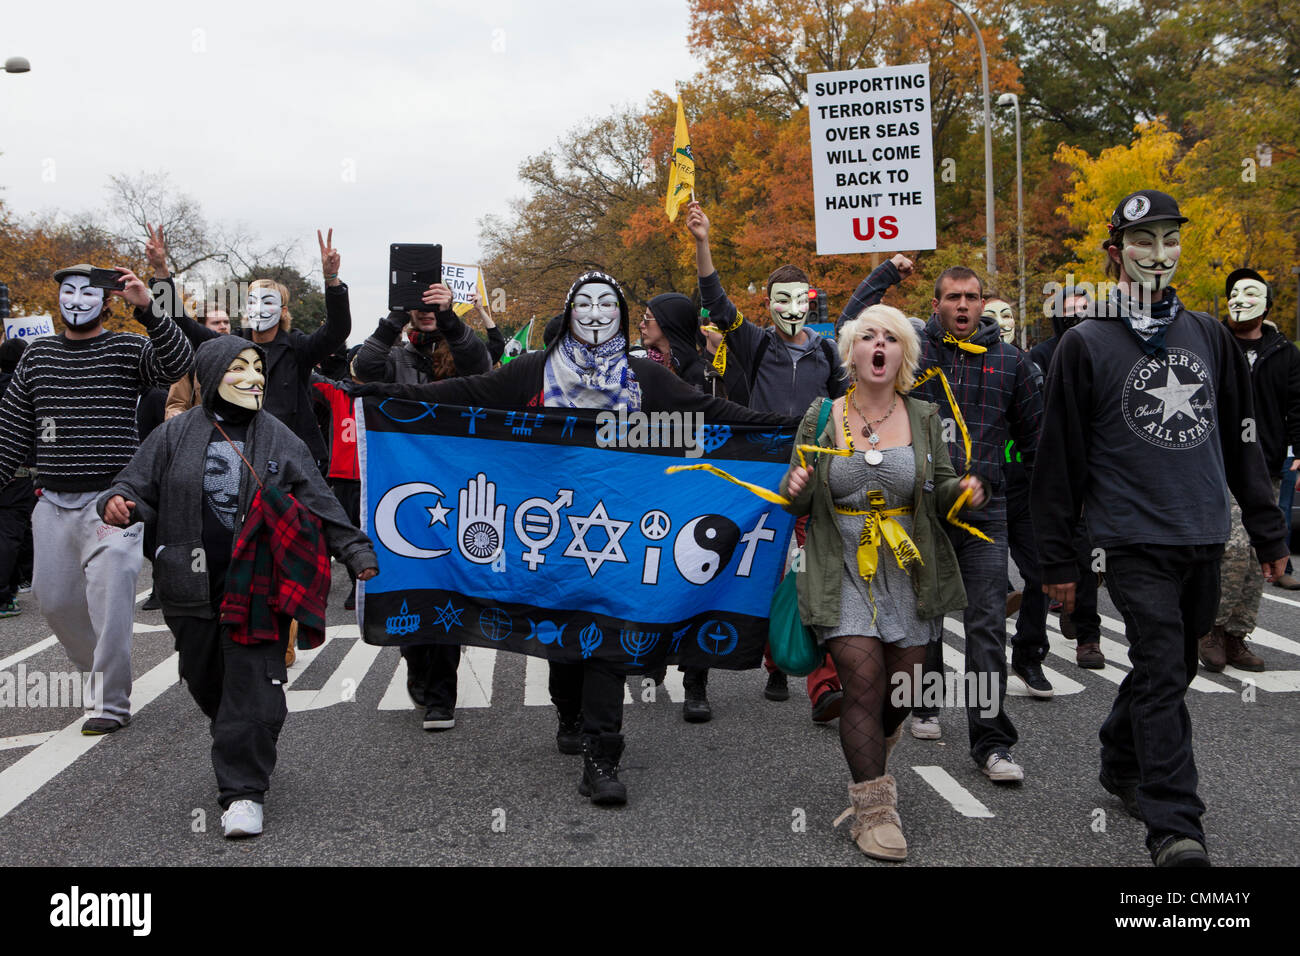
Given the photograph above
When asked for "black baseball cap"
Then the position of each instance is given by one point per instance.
(1143, 206)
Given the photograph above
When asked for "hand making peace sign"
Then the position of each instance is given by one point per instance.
(155, 251)
(329, 258)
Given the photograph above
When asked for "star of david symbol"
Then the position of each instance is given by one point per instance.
(614, 530)
(447, 616)
(1176, 397)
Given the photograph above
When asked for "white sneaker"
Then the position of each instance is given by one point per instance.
(926, 728)
(1002, 769)
(243, 819)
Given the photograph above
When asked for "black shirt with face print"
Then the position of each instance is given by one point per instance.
(222, 470)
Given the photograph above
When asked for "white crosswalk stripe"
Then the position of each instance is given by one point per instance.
(961, 799)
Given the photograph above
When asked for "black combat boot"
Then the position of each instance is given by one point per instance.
(695, 708)
(600, 756)
(568, 738)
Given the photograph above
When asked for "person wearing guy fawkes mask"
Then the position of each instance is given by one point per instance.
(586, 365)
(1146, 433)
(73, 398)
(1275, 385)
(438, 346)
(196, 480)
(290, 354)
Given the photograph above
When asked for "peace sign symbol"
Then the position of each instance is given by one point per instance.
(655, 525)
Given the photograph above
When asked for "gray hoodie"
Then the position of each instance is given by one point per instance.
(165, 480)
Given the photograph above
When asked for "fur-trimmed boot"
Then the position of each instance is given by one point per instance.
(876, 827)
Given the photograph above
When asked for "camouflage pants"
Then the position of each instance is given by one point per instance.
(1241, 582)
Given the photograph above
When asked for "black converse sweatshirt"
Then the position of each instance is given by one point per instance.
(74, 401)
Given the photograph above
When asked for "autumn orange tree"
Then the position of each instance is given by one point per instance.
(31, 252)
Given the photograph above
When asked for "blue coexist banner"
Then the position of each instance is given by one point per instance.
(540, 532)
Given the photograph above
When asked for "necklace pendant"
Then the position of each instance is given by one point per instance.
(874, 439)
(872, 456)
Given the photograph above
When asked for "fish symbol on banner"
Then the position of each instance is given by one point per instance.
(589, 639)
(546, 632)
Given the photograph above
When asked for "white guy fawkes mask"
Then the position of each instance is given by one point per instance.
(788, 305)
(1247, 302)
(1150, 253)
(594, 318)
(243, 382)
(263, 309)
(79, 303)
(1001, 313)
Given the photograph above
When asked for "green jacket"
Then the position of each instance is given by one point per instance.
(938, 580)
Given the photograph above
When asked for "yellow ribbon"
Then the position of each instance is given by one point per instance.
(965, 496)
(759, 490)
(720, 357)
(963, 344)
(878, 523)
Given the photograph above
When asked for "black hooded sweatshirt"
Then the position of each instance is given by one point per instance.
(679, 320)
(1275, 386)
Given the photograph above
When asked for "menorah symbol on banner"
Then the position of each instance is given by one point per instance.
(638, 643)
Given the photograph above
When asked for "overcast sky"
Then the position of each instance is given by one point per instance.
(390, 121)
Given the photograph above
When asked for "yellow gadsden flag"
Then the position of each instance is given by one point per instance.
(681, 177)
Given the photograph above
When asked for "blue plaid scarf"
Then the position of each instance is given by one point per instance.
(578, 376)
(1149, 330)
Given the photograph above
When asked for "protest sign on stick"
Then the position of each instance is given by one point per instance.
(872, 159)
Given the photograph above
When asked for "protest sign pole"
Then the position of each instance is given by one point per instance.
(990, 254)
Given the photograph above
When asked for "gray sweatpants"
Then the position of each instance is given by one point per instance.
(84, 578)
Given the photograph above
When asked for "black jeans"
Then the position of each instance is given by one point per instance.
(17, 499)
(433, 667)
(594, 689)
(240, 687)
(1029, 643)
(1086, 620)
(984, 572)
(348, 493)
(1168, 597)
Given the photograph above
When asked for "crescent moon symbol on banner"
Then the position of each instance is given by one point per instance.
(386, 520)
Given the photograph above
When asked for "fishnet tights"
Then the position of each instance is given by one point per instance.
(865, 666)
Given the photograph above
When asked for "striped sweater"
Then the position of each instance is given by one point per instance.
(74, 401)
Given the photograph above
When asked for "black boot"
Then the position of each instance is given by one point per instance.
(600, 756)
(568, 738)
(696, 707)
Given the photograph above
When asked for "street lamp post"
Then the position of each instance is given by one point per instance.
(1010, 99)
(990, 256)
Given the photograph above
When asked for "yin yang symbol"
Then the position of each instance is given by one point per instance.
(704, 546)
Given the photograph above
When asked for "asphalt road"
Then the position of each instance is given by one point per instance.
(358, 781)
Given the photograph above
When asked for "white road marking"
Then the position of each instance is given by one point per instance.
(27, 652)
(473, 681)
(1061, 685)
(1272, 681)
(26, 740)
(28, 774)
(341, 686)
(1116, 651)
(1281, 600)
(536, 678)
(961, 799)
